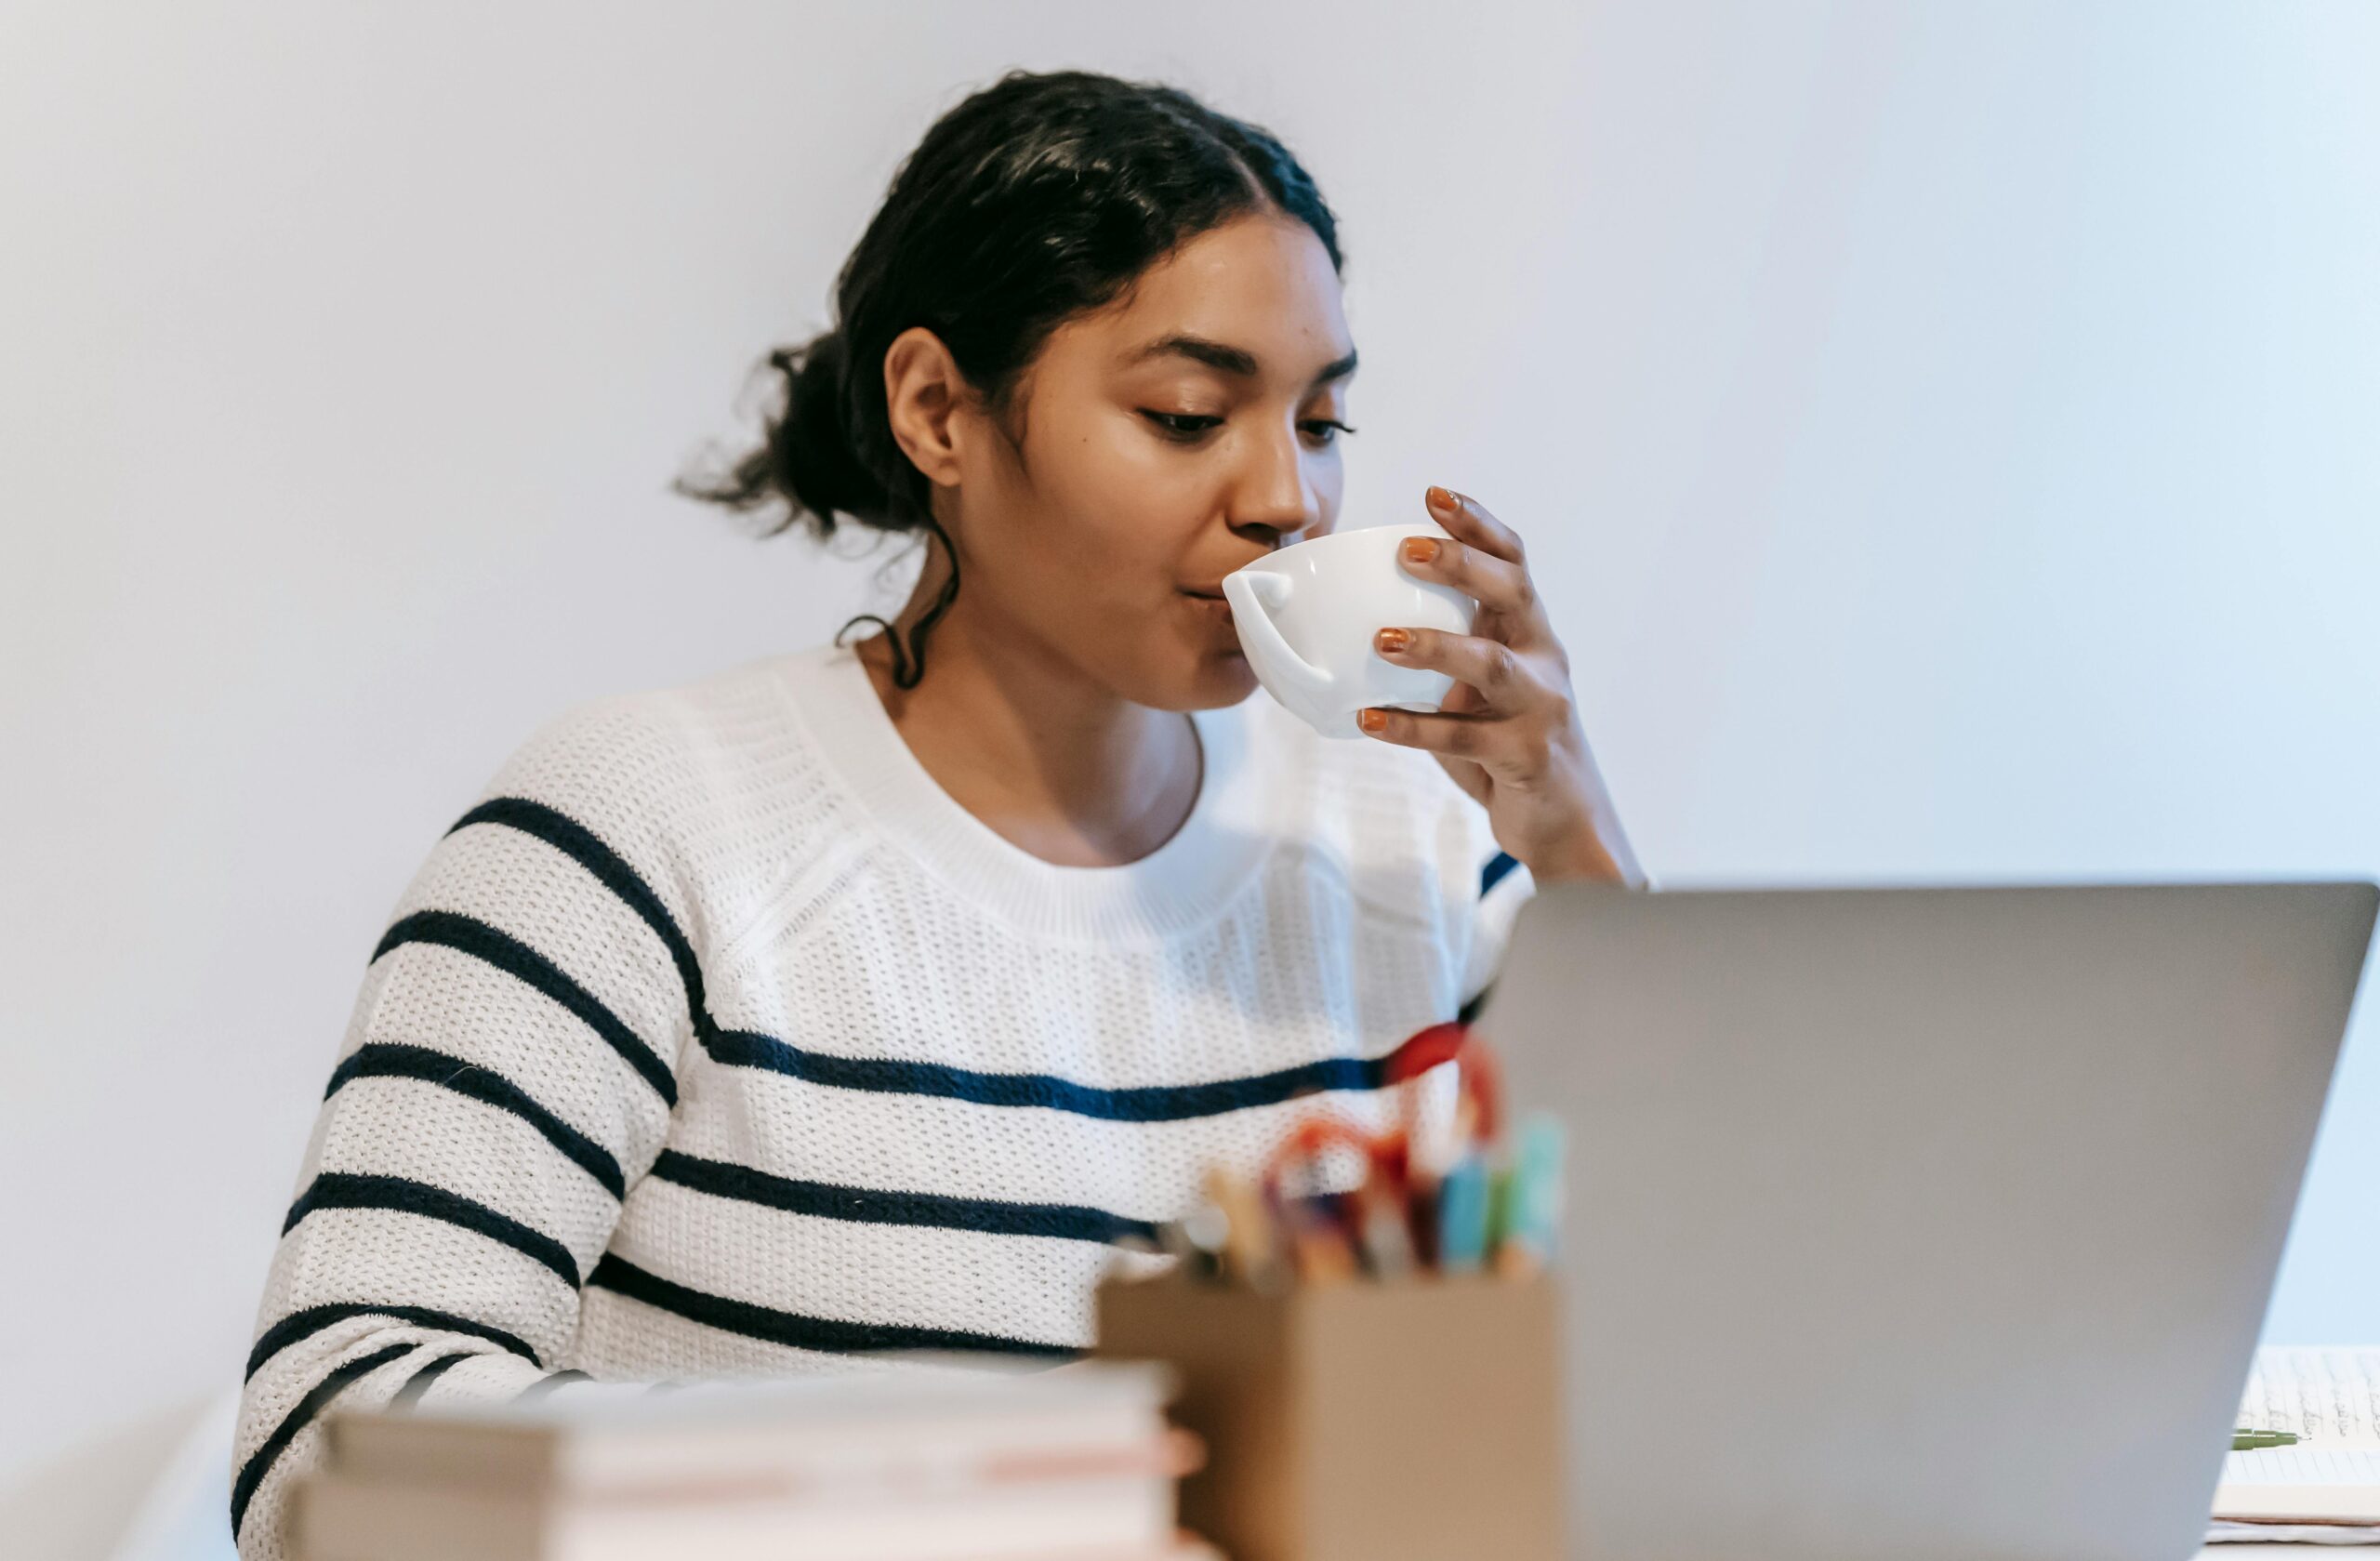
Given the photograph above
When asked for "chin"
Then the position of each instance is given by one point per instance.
(1203, 681)
(1222, 680)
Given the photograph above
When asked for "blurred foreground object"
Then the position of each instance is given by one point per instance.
(1374, 1372)
(1074, 1461)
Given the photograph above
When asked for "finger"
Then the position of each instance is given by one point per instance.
(1467, 520)
(1475, 738)
(1496, 584)
(1501, 675)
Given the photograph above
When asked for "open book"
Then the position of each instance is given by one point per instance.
(2331, 1398)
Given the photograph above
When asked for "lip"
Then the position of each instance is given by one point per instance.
(1211, 610)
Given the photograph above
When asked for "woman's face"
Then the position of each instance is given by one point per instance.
(1166, 441)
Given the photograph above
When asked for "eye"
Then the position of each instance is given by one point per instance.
(1187, 427)
(1182, 426)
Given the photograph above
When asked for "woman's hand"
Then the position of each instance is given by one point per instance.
(1507, 730)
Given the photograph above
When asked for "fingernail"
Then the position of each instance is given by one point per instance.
(1370, 720)
(1440, 500)
(1392, 639)
(1420, 550)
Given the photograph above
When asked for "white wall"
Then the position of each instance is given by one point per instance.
(1949, 434)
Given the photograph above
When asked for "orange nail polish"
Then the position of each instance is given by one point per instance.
(1371, 720)
(1392, 639)
(1440, 500)
(1421, 549)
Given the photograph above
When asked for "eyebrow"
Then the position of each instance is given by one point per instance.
(1231, 360)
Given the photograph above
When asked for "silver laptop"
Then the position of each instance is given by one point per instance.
(1913, 1223)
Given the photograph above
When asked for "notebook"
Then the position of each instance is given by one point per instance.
(2331, 1399)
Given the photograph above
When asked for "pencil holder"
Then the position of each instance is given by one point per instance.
(1413, 1419)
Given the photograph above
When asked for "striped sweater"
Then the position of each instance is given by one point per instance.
(718, 1039)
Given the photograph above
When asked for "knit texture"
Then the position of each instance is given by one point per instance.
(716, 1040)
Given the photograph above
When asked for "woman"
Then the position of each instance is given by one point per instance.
(859, 998)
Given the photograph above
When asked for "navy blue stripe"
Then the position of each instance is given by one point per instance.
(1470, 1011)
(390, 1060)
(544, 1385)
(1153, 1103)
(341, 1189)
(869, 1206)
(832, 1335)
(309, 1321)
(585, 847)
(260, 1463)
(419, 1383)
(509, 953)
(750, 1049)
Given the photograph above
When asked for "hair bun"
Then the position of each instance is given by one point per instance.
(808, 465)
(813, 462)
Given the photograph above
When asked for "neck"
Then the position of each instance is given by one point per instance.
(1055, 763)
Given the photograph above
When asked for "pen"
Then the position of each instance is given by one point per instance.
(1323, 1230)
(1499, 1210)
(1175, 1239)
(1536, 1209)
(1421, 1219)
(1462, 1215)
(1382, 1219)
(2243, 1439)
(1248, 1237)
(1318, 1242)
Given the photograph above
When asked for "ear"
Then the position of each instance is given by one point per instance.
(924, 394)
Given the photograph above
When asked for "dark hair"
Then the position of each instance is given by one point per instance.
(1036, 199)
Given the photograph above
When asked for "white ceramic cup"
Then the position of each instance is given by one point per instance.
(1306, 614)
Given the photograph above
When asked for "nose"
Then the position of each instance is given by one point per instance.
(1275, 503)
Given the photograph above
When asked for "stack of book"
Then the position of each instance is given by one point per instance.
(1071, 1463)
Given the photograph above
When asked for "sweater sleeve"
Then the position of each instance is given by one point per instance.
(1503, 885)
(507, 1074)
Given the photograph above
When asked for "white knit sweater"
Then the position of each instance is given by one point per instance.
(718, 1039)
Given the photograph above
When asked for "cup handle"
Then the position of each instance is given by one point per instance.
(1253, 594)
